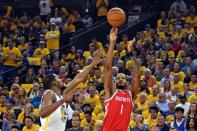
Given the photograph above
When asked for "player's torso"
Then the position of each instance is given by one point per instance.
(118, 111)
(57, 120)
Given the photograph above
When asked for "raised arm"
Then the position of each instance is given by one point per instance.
(84, 74)
(135, 77)
(108, 64)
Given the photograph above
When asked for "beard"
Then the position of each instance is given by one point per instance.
(121, 87)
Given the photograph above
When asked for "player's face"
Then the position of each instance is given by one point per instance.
(121, 81)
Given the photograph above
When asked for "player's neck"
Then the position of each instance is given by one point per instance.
(56, 90)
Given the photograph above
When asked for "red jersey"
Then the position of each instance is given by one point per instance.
(118, 111)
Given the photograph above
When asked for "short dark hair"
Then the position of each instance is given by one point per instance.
(88, 112)
(86, 104)
(48, 81)
(15, 127)
(179, 109)
(155, 108)
(29, 117)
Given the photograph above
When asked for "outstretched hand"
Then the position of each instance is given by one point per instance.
(113, 34)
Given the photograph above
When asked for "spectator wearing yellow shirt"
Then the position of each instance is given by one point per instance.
(52, 38)
(153, 96)
(178, 83)
(11, 54)
(96, 44)
(88, 120)
(99, 109)
(152, 120)
(3, 101)
(177, 71)
(188, 29)
(72, 54)
(193, 82)
(41, 51)
(178, 33)
(142, 105)
(150, 79)
(29, 125)
(12, 57)
(102, 7)
(69, 27)
(193, 97)
(191, 19)
(162, 19)
(93, 98)
(22, 45)
(124, 43)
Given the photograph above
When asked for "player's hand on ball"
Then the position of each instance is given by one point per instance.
(113, 34)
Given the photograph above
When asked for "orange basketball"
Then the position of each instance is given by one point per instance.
(116, 17)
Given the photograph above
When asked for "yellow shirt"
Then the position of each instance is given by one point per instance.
(192, 98)
(53, 43)
(82, 116)
(12, 54)
(177, 35)
(86, 54)
(39, 53)
(179, 85)
(100, 116)
(98, 109)
(181, 74)
(152, 98)
(33, 128)
(192, 85)
(2, 109)
(22, 47)
(192, 21)
(132, 123)
(151, 122)
(102, 7)
(169, 118)
(143, 107)
(94, 100)
(69, 28)
(71, 56)
(188, 31)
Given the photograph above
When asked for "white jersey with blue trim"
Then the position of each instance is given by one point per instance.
(56, 120)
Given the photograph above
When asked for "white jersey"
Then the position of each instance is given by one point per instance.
(55, 121)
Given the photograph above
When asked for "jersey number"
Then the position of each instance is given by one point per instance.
(121, 109)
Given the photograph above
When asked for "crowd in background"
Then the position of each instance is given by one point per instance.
(166, 56)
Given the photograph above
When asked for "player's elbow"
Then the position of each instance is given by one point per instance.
(42, 114)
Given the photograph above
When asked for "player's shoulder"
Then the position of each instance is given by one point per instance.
(48, 93)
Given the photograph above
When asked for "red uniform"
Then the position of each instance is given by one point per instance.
(118, 111)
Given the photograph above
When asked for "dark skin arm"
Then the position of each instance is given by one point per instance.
(84, 74)
(108, 65)
(48, 107)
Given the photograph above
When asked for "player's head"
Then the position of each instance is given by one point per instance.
(51, 81)
(121, 81)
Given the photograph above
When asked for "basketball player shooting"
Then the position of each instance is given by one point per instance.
(118, 95)
(53, 110)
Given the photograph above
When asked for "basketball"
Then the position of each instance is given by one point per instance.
(116, 17)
